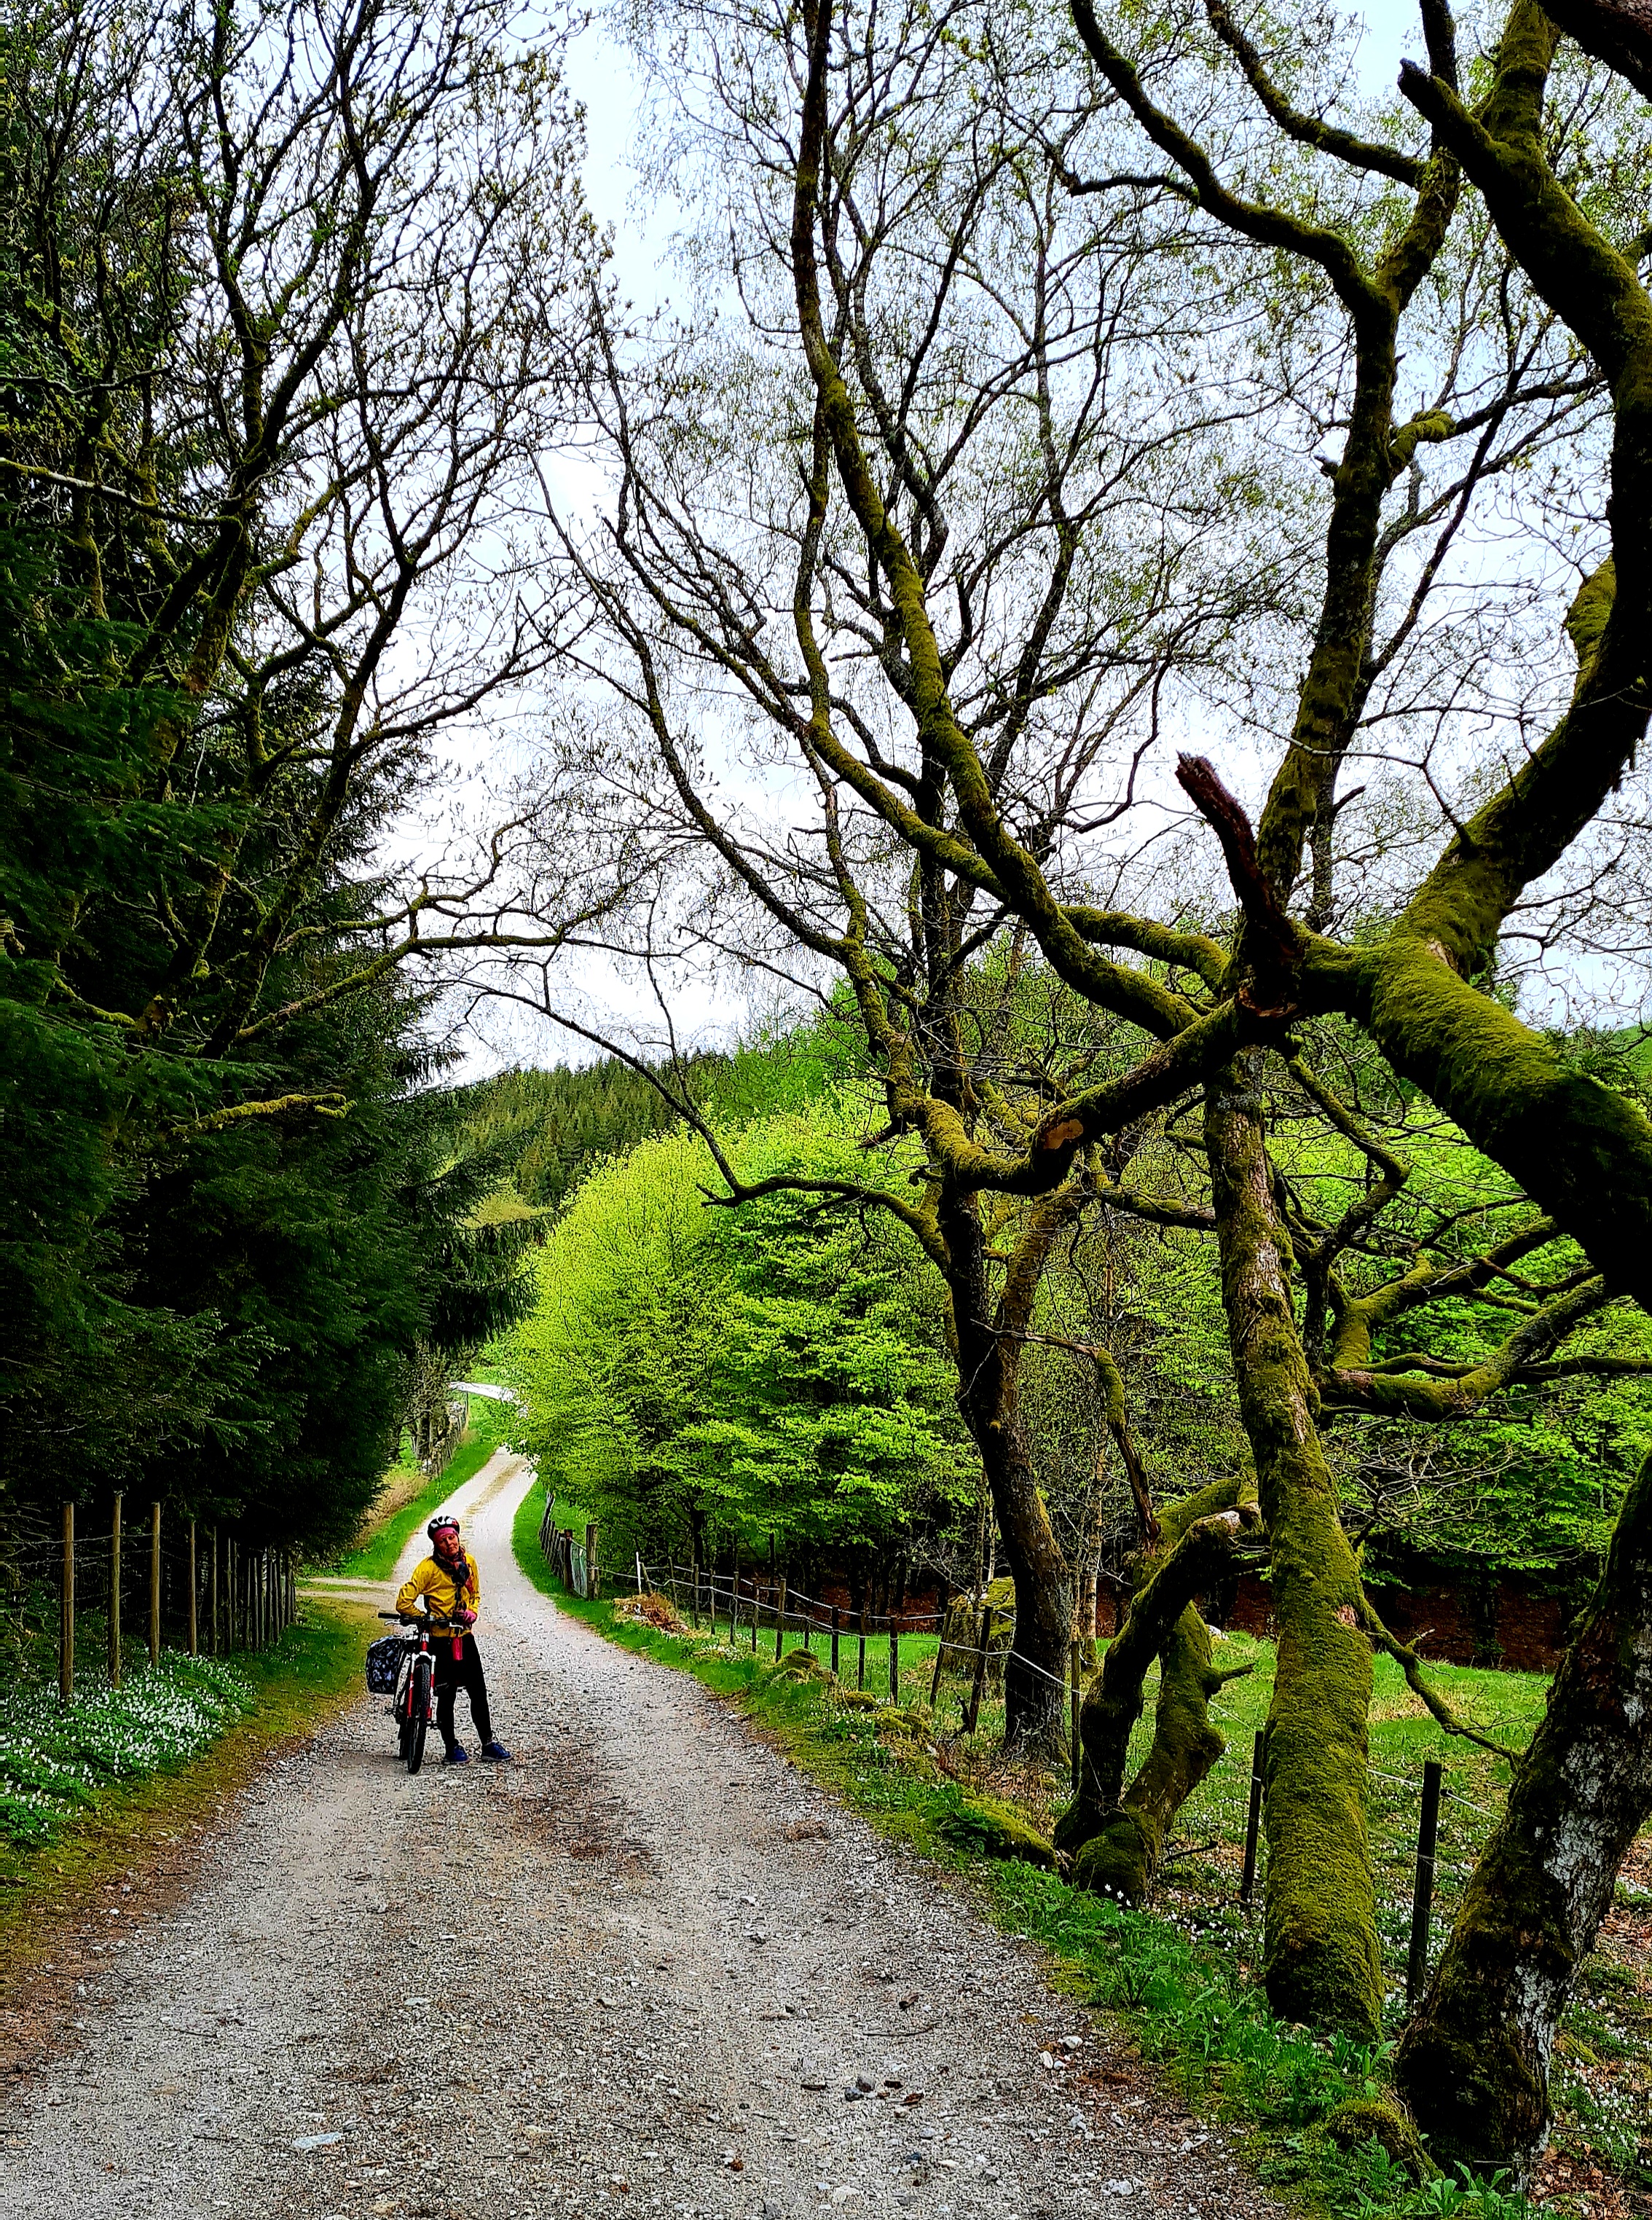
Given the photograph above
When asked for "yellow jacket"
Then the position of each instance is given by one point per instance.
(432, 1581)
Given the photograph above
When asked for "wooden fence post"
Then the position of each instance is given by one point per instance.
(591, 1583)
(195, 1643)
(154, 1584)
(1253, 1817)
(940, 1652)
(836, 1622)
(784, 1592)
(114, 1594)
(214, 1591)
(980, 1681)
(860, 1669)
(1422, 1900)
(894, 1663)
(66, 1615)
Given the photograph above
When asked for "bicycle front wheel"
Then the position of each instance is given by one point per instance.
(419, 1714)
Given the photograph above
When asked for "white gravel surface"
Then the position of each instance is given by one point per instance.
(638, 1970)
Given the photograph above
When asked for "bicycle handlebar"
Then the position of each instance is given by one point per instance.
(424, 1619)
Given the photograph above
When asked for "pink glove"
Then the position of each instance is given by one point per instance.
(466, 1618)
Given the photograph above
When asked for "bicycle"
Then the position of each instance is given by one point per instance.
(414, 1704)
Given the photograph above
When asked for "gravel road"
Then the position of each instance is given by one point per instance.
(641, 1969)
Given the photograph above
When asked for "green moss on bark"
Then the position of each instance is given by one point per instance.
(992, 1829)
(1583, 1153)
(1118, 1840)
(1122, 1855)
(1320, 1948)
(1473, 2064)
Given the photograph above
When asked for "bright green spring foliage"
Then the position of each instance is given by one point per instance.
(551, 1127)
(699, 1373)
(1526, 1479)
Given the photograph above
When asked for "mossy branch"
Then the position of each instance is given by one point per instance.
(1422, 1688)
(1619, 35)
(1458, 1394)
(1309, 130)
(239, 1113)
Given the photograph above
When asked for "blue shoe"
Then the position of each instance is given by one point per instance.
(459, 1754)
(496, 1751)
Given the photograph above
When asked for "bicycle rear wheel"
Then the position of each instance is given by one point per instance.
(419, 1713)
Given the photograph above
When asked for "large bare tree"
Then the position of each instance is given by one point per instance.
(299, 300)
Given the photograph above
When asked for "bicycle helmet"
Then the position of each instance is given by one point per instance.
(437, 1525)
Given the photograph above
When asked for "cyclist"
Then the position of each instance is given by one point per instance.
(451, 1585)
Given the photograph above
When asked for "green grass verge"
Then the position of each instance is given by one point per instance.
(1183, 1987)
(377, 1558)
(282, 1693)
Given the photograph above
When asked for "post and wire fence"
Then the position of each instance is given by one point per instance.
(199, 1590)
(746, 1611)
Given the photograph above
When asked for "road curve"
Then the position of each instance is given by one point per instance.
(636, 1971)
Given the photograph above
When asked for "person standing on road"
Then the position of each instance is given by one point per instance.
(451, 1585)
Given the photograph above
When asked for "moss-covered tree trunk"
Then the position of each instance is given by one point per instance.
(1473, 2064)
(1117, 1836)
(987, 1344)
(1321, 1953)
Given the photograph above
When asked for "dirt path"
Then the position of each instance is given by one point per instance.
(655, 1959)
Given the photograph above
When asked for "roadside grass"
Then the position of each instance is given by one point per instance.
(376, 1557)
(1183, 1978)
(281, 1694)
(54, 1757)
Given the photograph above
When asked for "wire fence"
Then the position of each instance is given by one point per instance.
(134, 1583)
(750, 1611)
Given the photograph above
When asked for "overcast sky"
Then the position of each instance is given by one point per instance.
(600, 72)
(601, 79)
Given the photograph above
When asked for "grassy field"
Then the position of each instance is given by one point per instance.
(376, 1559)
(1182, 1976)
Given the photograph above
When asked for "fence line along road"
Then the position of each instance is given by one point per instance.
(790, 1610)
(210, 1585)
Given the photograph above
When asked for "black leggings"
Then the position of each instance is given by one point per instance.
(449, 1678)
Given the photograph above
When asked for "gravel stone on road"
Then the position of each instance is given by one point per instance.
(648, 1968)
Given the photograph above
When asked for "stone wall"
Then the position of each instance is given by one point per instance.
(1462, 1621)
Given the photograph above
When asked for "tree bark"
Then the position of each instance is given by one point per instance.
(988, 1361)
(1474, 2063)
(1118, 1839)
(1320, 1943)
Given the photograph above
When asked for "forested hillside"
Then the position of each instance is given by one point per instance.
(776, 1375)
